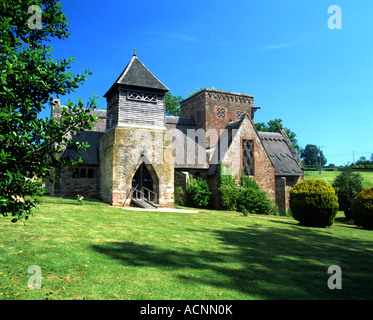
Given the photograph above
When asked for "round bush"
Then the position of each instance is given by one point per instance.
(362, 208)
(313, 202)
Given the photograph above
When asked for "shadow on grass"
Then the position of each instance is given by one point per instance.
(263, 262)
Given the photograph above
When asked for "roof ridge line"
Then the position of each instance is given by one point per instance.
(126, 69)
(150, 72)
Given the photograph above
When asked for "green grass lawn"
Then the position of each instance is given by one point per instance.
(329, 176)
(94, 251)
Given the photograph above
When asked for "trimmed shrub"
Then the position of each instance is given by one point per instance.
(246, 198)
(313, 202)
(198, 192)
(253, 201)
(228, 196)
(228, 191)
(248, 182)
(362, 209)
(347, 186)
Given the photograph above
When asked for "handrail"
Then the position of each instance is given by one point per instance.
(150, 191)
(127, 197)
(142, 193)
(132, 190)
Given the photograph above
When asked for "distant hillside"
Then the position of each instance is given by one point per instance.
(329, 176)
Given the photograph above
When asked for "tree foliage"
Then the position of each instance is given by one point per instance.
(172, 104)
(276, 126)
(312, 156)
(363, 161)
(347, 186)
(30, 79)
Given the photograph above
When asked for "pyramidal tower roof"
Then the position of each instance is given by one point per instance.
(136, 75)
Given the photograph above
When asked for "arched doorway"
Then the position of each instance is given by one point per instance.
(145, 183)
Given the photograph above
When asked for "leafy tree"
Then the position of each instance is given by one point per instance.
(311, 156)
(30, 79)
(347, 186)
(195, 91)
(276, 126)
(172, 104)
(363, 161)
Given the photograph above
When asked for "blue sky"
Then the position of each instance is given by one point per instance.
(319, 81)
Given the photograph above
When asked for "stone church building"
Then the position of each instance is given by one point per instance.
(138, 155)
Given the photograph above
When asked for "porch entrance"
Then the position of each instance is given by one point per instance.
(144, 188)
(142, 178)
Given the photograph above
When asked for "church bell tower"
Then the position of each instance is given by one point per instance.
(136, 150)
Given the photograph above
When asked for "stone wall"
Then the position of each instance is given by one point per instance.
(212, 110)
(123, 149)
(281, 196)
(193, 107)
(84, 180)
(283, 186)
(106, 166)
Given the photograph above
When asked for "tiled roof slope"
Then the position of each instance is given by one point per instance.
(138, 76)
(90, 156)
(285, 160)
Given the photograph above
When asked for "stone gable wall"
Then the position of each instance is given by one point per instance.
(264, 171)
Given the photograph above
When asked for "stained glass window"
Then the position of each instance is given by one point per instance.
(248, 157)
